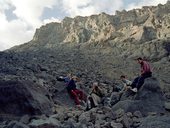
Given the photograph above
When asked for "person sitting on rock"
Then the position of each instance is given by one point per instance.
(145, 73)
(96, 95)
(119, 89)
(77, 94)
(124, 92)
(126, 83)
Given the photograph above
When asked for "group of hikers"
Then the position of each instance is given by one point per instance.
(96, 95)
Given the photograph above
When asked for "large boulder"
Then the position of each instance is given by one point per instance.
(148, 99)
(155, 122)
(42, 123)
(24, 97)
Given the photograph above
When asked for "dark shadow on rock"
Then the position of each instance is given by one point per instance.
(23, 97)
(167, 47)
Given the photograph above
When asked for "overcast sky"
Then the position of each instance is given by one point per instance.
(20, 18)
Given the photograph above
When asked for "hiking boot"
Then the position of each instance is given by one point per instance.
(134, 90)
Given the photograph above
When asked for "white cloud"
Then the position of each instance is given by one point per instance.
(5, 4)
(14, 33)
(31, 10)
(52, 19)
(141, 3)
(21, 30)
(89, 7)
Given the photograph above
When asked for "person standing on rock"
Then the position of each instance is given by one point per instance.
(77, 94)
(145, 73)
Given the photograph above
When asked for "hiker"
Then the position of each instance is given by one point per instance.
(145, 73)
(126, 83)
(96, 95)
(77, 94)
(125, 92)
(119, 90)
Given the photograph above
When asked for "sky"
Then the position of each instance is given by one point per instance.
(20, 18)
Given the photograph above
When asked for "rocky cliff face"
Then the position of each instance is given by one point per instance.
(139, 32)
(96, 48)
(142, 25)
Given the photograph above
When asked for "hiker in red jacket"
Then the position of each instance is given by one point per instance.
(145, 73)
(77, 94)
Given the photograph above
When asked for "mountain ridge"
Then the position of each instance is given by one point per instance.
(124, 32)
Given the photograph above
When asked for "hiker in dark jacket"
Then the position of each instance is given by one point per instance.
(77, 94)
(145, 73)
(71, 85)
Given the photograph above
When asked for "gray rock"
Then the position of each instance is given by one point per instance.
(85, 117)
(167, 106)
(126, 121)
(25, 119)
(106, 125)
(70, 124)
(136, 120)
(119, 120)
(156, 122)
(118, 113)
(45, 122)
(25, 98)
(16, 124)
(116, 125)
(138, 114)
(20, 125)
(149, 33)
(129, 114)
(127, 95)
(127, 106)
(115, 96)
